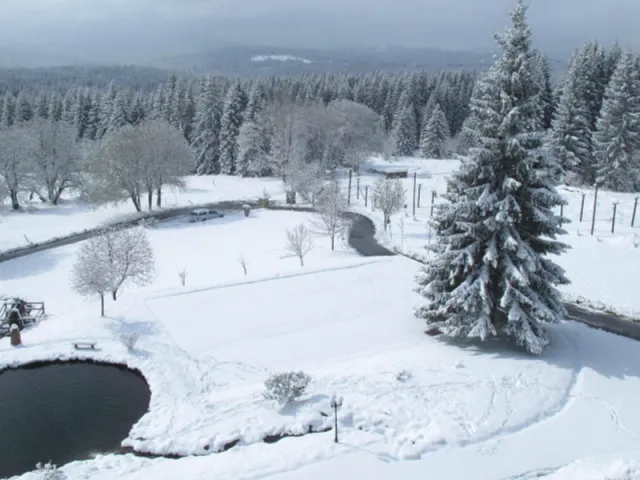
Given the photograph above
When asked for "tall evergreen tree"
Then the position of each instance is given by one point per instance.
(546, 91)
(229, 129)
(8, 110)
(617, 139)
(433, 142)
(571, 137)
(206, 131)
(488, 274)
(404, 127)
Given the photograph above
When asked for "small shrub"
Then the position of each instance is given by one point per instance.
(129, 340)
(49, 471)
(404, 375)
(286, 387)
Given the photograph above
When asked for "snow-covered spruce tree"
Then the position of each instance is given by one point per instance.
(253, 149)
(617, 138)
(571, 137)
(433, 141)
(487, 273)
(546, 93)
(206, 131)
(230, 129)
(404, 128)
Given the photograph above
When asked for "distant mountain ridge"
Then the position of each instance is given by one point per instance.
(263, 60)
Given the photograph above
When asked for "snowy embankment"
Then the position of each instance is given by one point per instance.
(38, 222)
(206, 350)
(603, 268)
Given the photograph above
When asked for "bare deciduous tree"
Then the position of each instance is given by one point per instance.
(183, 276)
(17, 148)
(388, 196)
(329, 220)
(139, 159)
(299, 242)
(106, 262)
(359, 134)
(56, 160)
(243, 263)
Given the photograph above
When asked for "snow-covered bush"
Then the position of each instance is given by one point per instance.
(404, 375)
(49, 471)
(129, 340)
(286, 387)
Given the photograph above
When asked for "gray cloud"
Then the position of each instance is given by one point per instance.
(128, 30)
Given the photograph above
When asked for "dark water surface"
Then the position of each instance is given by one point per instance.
(66, 412)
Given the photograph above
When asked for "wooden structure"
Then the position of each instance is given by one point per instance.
(84, 345)
(396, 174)
(21, 313)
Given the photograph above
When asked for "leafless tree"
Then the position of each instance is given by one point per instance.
(56, 160)
(299, 242)
(388, 196)
(135, 160)
(329, 219)
(183, 276)
(359, 134)
(303, 178)
(106, 262)
(17, 148)
(286, 124)
(243, 263)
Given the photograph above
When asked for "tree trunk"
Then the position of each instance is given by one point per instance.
(102, 304)
(114, 295)
(333, 242)
(301, 261)
(159, 197)
(136, 202)
(15, 204)
(56, 196)
(150, 199)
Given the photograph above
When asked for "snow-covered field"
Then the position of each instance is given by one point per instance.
(458, 412)
(603, 268)
(38, 222)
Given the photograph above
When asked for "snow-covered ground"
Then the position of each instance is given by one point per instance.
(459, 411)
(603, 268)
(38, 222)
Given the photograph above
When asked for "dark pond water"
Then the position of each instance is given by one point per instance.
(66, 412)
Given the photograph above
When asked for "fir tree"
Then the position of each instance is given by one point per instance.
(24, 111)
(229, 130)
(404, 129)
(617, 139)
(571, 137)
(253, 148)
(546, 92)
(433, 143)
(206, 131)
(8, 110)
(488, 274)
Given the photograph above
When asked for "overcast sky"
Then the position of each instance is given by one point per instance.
(131, 30)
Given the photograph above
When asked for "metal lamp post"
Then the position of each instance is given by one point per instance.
(336, 403)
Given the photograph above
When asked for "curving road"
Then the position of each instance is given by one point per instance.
(160, 215)
(361, 239)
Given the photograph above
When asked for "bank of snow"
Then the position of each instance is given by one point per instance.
(38, 222)
(206, 350)
(602, 267)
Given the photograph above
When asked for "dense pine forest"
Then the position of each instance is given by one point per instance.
(273, 125)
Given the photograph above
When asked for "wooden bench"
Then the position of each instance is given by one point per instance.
(84, 345)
